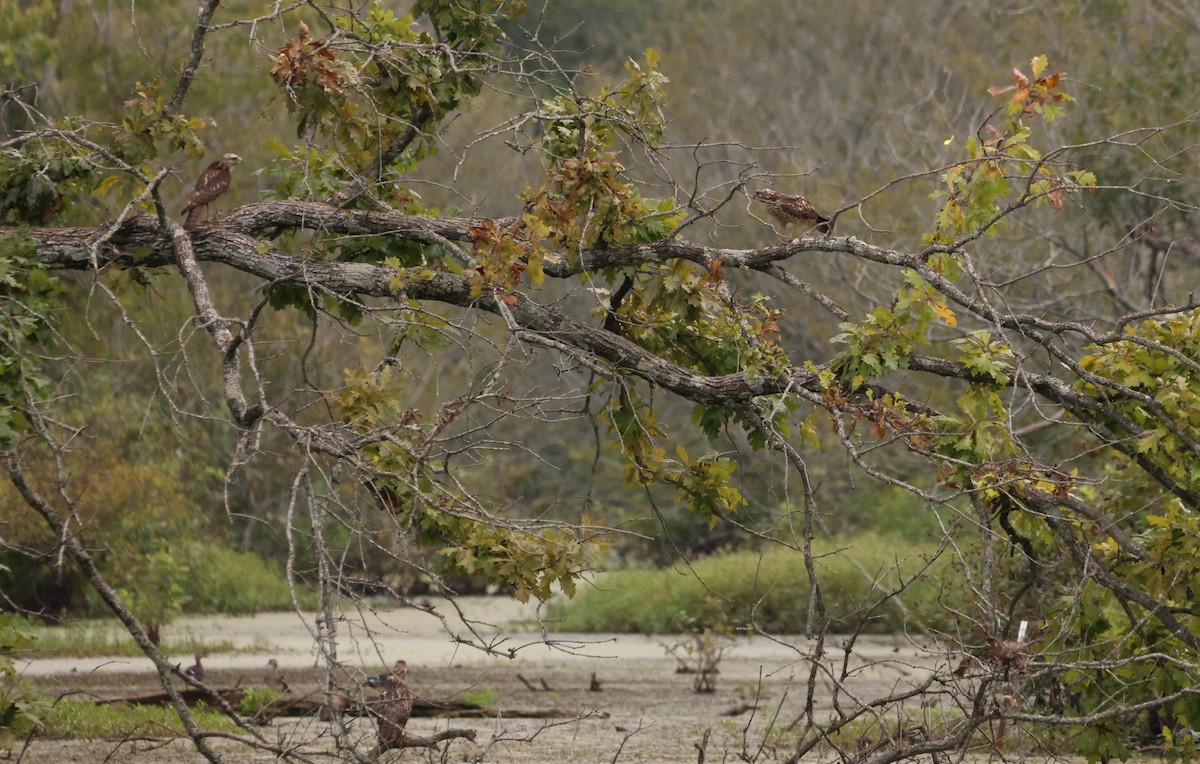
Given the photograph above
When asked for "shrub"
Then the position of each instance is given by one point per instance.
(770, 589)
(257, 699)
(84, 719)
(21, 709)
(235, 583)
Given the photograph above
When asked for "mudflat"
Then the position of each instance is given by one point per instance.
(638, 708)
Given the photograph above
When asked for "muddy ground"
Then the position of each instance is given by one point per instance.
(644, 710)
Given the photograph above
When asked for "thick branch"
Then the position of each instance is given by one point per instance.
(230, 240)
(432, 740)
(204, 15)
(217, 327)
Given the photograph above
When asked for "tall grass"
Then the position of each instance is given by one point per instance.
(107, 638)
(770, 589)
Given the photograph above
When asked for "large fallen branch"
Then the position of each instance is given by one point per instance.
(314, 705)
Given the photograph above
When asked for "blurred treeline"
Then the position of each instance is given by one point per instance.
(832, 99)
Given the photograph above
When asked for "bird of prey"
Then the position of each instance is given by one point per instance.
(274, 679)
(197, 671)
(394, 706)
(792, 208)
(212, 183)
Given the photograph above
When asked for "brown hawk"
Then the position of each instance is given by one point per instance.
(792, 208)
(393, 708)
(212, 183)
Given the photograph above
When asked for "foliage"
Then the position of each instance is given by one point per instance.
(22, 711)
(155, 593)
(85, 720)
(27, 32)
(225, 581)
(255, 699)
(768, 589)
(480, 697)
(532, 563)
(27, 294)
(107, 638)
(1152, 367)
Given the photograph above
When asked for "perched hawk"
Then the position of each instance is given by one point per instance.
(792, 208)
(211, 184)
(393, 707)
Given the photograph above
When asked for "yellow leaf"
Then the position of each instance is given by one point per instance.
(1038, 64)
(945, 313)
(106, 185)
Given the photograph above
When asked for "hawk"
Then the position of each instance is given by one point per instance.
(393, 707)
(212, 183)
(792, 208)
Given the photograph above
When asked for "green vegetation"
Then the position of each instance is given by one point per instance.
(222, 580)
(21, 709)
(196, 579)
(769, 588)
(81, 719)
(106, 637)
(256, 699)
(481, 697)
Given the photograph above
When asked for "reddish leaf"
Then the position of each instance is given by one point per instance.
(1056, 197)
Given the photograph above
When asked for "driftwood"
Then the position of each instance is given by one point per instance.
(190, 695)
(533, 688)
(409, 741)
(314, 704)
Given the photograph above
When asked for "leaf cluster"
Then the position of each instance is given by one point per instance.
(22, 711)
(28, 297)
(1001, 160)
(1151, 382)
(439, 513)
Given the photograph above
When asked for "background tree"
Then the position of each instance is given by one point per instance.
(389, 355)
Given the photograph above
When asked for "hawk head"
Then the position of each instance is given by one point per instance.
(229, 160)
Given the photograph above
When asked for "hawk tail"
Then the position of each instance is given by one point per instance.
(192, 214)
